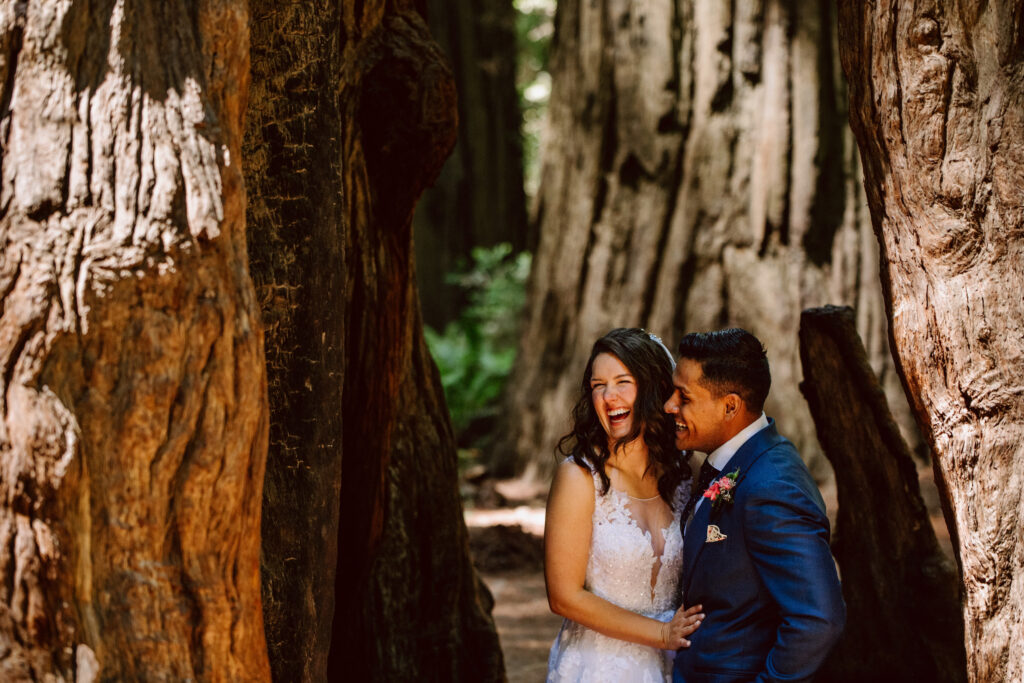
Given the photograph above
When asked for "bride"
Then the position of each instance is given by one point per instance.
(612, 542)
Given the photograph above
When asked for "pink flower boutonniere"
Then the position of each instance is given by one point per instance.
(721, 489)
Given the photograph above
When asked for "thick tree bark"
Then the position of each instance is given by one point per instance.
(884, 542)
(133, 402)
(937, 105)
(423, 570)
(698, 174)
(294, 171)
(352, 114)
(478, 199)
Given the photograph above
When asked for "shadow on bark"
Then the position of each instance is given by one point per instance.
(901, 592)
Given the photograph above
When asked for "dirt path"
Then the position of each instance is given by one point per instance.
(525, 624)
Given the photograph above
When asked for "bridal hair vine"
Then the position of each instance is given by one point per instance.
(657, 340)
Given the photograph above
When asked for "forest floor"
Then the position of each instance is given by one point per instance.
(506, 538)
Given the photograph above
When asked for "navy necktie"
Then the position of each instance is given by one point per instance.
(707, 475)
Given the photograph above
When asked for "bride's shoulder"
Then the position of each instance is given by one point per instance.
(576, 471)
(573, 485)
(581, 462)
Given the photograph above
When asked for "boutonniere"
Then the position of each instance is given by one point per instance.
(721, 489)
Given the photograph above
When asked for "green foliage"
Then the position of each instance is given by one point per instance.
(475, 352)
(534, 29)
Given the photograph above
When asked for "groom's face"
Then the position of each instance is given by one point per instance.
(698, 413)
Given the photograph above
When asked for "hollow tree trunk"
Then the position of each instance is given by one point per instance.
(352, 113)
(884, 542)
(698, 174)
(937, 105)
(133, 403)
(478, 198)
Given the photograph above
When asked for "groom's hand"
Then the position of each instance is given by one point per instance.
(685, 622)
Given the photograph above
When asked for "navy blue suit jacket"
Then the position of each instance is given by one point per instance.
(769, 588)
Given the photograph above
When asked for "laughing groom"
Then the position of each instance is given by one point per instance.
(756, 549)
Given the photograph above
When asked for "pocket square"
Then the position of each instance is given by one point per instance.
(714, 534)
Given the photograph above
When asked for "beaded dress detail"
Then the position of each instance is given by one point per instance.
(622, 562)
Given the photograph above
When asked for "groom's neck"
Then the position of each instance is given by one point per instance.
(736, 425)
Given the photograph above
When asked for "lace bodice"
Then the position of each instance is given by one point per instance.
(622, 562)
(622, 555)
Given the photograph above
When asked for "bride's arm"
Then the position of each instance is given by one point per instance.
(567, 531)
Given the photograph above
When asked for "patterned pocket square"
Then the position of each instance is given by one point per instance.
(714, 534)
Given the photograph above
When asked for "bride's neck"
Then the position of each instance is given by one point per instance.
(632, 457)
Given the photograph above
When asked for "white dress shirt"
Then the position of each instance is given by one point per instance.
(721, 456)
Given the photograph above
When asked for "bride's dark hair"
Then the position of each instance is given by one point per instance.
(651, 366)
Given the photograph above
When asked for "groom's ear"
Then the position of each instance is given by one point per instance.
(732, 404)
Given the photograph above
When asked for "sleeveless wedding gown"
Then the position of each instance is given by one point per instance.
(620, 570)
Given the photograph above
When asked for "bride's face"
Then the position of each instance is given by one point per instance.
(613, 391)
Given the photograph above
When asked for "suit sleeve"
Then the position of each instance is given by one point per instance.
(788, 539)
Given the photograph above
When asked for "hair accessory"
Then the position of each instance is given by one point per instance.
(657, 340)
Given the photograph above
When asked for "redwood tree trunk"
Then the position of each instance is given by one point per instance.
(698, 173)
(293, 163)
(133, 410)
(366, 569)
(884, 543)
(937, 105)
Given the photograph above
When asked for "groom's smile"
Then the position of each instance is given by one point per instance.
(696, 410)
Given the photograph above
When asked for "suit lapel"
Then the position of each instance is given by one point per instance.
(693, 540)
(697, 532)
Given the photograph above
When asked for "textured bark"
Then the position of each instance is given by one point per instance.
(698, 174)
(423, 570)
(294, 169)
(352, 114)
(478, 199)
(937, 105)
(884, 542)
(133, 403)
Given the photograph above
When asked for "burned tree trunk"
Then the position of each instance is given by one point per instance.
(937, 105)
(422, 570)
(698, 174)
(478, 199)
(133, 410)
(888, 555)
(352, 113)
(293, 163)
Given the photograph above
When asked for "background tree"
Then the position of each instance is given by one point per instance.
(478, 199)
(698, 173)
(937, 105)
(132, 391)
(366, 569)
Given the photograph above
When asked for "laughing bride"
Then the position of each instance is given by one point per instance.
(613, 547)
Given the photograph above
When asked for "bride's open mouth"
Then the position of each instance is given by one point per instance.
(618, 416)
(680, 427)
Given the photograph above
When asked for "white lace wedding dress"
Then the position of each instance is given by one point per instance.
(620, 569)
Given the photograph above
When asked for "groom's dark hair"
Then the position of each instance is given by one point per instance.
(733, 362)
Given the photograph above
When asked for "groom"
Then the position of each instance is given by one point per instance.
(756, 549)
